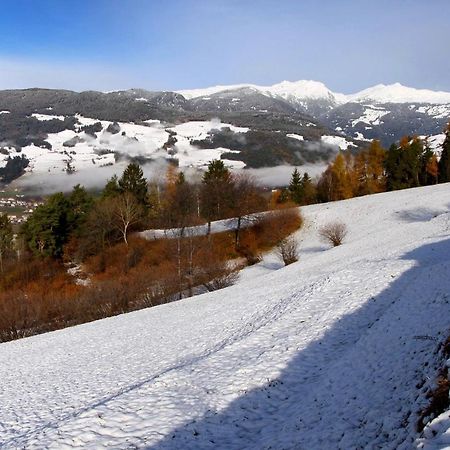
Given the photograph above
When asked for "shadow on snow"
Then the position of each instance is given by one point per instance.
(360, 385)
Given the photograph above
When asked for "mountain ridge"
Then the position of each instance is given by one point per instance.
(310, 89)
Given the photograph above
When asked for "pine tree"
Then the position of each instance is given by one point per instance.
(444, 162)
(6, 238)
(133, 181)
(296, 190)
(216, 192)
(426, 166)
(111, 188)
(180, 203)
(403, 164)
(47, 229)
(80, 204)
(309, 190)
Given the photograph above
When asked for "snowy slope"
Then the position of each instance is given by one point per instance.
(324, 354)
(98, 157)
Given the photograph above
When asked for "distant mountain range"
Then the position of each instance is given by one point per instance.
(385, 112)
(294, 123)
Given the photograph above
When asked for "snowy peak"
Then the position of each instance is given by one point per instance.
(397, 93)
(288, 90)
(298, 91)
(204, 92)
(303, 89)
(309, 96)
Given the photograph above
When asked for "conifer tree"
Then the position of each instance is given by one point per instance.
(180, 205)
(80, 204)
(403, 164)
(296, 191)
(444, 162)
(111, 188)
(47, 229)
(426, 167)
(133, 181)
(216, 192)
(309, 190)
(6, 238)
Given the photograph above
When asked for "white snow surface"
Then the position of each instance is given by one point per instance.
(295, 136)
(436, 111)
(338, 141)
(326, 353)
(435, 142)
(372, 116)
(296, 91)
(46, 117)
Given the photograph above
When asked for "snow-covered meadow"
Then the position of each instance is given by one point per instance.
(335, 351)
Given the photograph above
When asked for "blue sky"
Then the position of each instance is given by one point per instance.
(173, 44)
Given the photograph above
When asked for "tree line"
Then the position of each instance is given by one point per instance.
(406, 164)
(77, 257)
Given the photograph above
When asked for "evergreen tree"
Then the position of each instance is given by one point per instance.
(284, 196)
(80, 204)
(6, 238)
(426, 166)
(444, 162)
(47, 229)
(112, 188)
(403, 164)
(296, 191)
(179, 202)
(133, 181)
(216, 192)
(309, 190)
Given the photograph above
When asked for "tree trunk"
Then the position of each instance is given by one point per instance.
(237, 232)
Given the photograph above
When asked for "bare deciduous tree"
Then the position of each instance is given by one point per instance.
(127, 212)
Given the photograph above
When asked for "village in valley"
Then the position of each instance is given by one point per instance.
(17, 205)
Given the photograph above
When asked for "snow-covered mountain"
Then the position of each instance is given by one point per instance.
(322, 121)
(397, 93)
(384, 112)
(296, 91)
(338, 350)
(92, 134)
(308, 96)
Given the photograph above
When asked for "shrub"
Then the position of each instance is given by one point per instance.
(287, 250)
(333, 233)
(227, 278)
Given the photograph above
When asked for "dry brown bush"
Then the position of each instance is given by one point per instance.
(333, 233)
(39, 295)
(287, 250)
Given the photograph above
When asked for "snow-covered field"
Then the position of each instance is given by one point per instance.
(327, 353)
